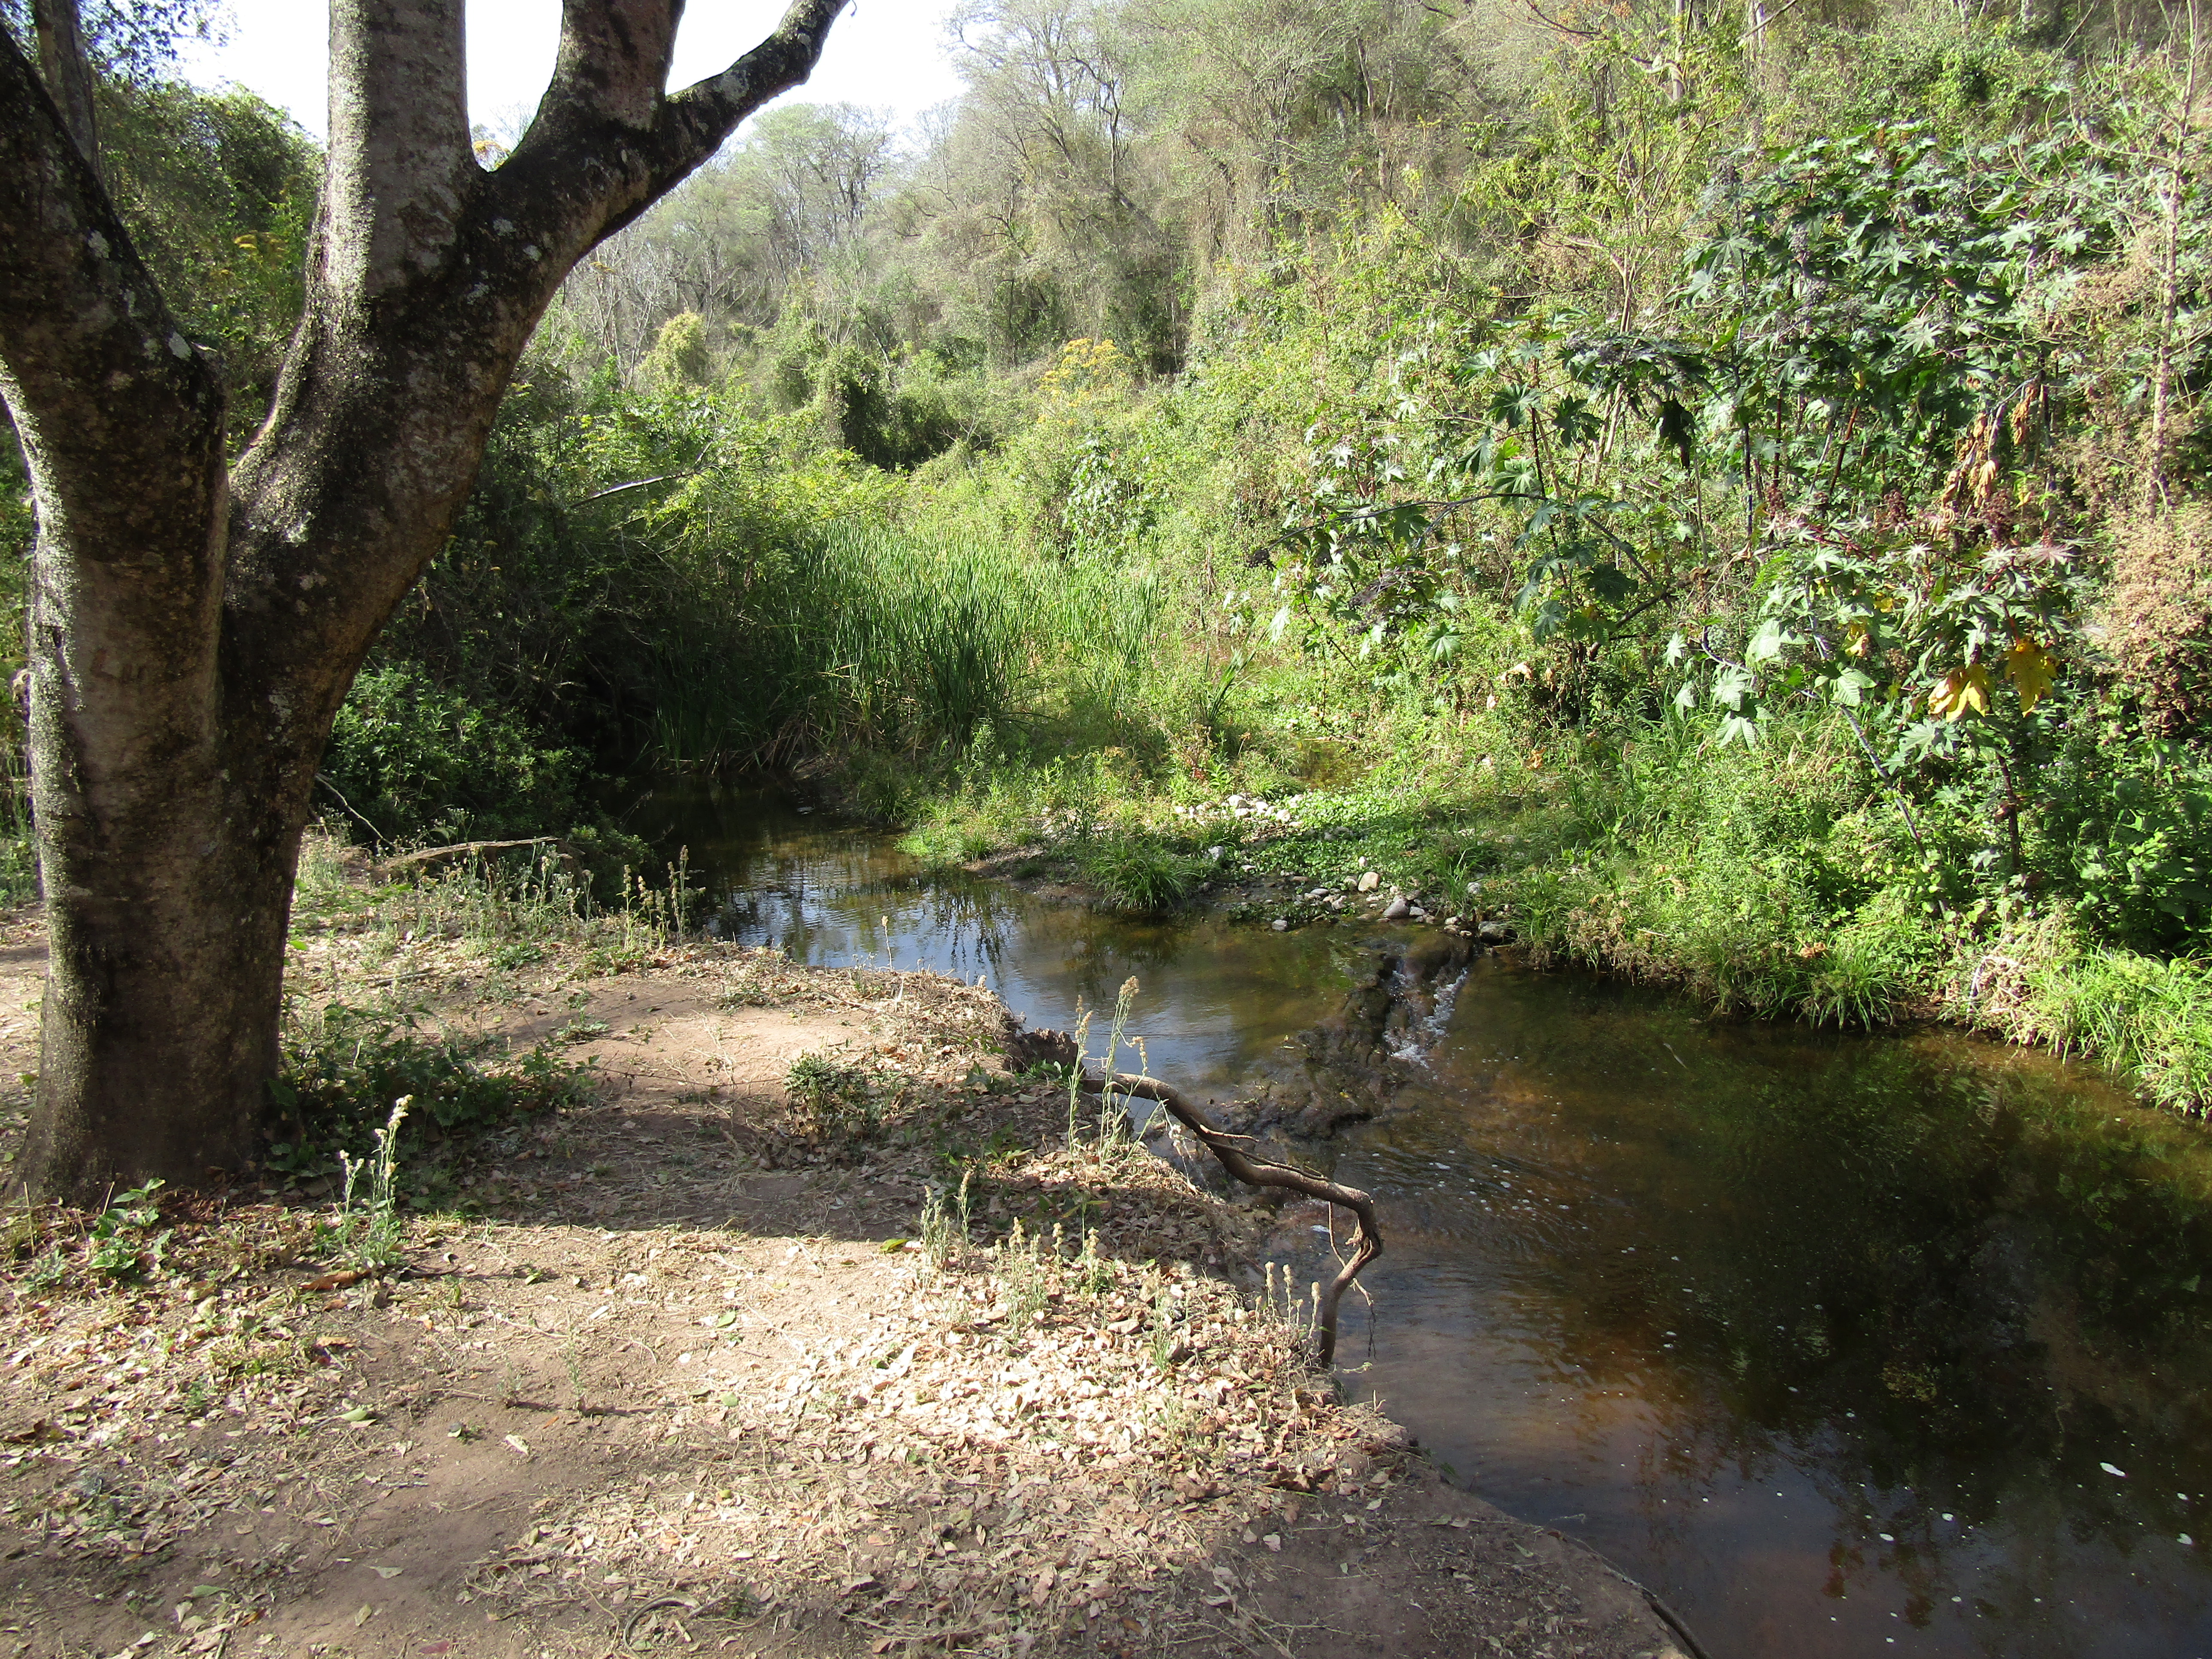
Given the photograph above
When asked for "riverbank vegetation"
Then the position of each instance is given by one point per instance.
(1723, 494)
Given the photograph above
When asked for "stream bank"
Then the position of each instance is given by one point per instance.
(1727, 1298)
(703, 1360)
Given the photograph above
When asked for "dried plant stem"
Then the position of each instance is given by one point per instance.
(1265, 1172)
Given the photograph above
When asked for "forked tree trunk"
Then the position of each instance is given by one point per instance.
(193, 629)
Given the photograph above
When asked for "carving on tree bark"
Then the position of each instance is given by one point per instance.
(194, 630)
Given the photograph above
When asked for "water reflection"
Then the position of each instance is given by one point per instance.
(1216, 998)
(1845, 1344)
(1837, 1341)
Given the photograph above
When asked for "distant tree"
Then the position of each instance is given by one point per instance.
(196, 623)
(679, 354)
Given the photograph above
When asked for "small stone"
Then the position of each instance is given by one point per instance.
(1451, 921)
(1371, 881)
(1281, 925)
(1397, 909)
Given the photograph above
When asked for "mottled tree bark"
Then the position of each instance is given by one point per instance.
(195, 628)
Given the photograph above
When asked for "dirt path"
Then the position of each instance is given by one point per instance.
(685, 1371)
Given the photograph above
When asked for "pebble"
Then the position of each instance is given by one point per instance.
(1397, 909)
(1371, 881)
(1281, 925)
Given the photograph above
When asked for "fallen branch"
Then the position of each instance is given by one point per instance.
(468, 848)
(1265, 1172)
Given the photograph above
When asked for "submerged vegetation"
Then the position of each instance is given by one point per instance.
(1729, 503)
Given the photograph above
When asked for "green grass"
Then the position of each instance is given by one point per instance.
(345, 1067)
(2151, 1020)
(868, 637)
(2148, 1020)
(1138, 872)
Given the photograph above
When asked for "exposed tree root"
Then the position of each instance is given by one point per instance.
(1265, 1172)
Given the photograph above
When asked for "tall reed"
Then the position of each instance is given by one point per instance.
(870, 636)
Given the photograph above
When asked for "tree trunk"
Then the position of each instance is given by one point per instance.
(194, 630)
(164, 986)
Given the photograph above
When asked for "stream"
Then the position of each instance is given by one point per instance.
(1842, 1344)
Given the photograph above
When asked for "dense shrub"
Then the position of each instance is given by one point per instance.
(408, 758)
(346, 1067)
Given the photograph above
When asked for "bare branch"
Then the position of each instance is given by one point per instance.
(1266, 1172)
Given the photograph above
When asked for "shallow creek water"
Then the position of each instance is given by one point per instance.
(1843, 1345)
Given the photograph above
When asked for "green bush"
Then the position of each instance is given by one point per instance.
(831, 1102)
(2122, 825)
(408, 758)
(344, 1068)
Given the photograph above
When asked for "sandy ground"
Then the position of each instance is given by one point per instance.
(677, 1374)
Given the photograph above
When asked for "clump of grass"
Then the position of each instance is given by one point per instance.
(368, 1237)
(1093, 1276)
(830, 1101)
(944, 1226)
(948, 840)
(510, 906)
(1022, 1274)
(1874, 965)
(1299, 1314)
(2147, 1018)
(1137, 872)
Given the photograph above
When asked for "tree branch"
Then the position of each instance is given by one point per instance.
(614, 63)
(606, 106)
(68, 72)
(1265, 1172)
(698, 119)
(400, 161)
(427, 277)
(101, 382)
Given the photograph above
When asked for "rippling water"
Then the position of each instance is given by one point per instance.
(1843, 1345)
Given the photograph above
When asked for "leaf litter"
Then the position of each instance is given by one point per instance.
(682, 1371)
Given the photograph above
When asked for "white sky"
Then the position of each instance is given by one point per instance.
(887, 54)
